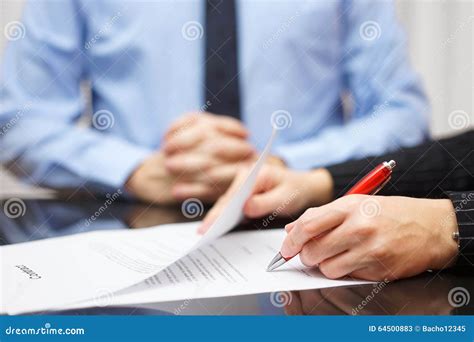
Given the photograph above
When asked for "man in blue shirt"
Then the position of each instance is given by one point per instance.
(148, 67)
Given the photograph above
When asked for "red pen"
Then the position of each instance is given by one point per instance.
(372, 183)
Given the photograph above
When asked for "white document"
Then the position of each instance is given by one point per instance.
(234, 264)
(51, 273)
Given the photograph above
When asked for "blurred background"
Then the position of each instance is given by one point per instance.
(441, 40)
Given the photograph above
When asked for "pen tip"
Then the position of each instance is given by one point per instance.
(277, 261)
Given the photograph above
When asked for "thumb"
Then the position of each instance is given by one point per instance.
(216, 210)
(210, 218)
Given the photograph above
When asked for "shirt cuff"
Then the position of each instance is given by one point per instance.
(114, 163)
(303, 155)
(291, 158)
(463, 203)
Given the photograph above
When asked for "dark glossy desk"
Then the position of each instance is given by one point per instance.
(435, 293)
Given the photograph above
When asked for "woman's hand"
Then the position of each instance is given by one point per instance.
(374, 237)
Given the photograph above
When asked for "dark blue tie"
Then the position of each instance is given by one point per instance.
(222, 79)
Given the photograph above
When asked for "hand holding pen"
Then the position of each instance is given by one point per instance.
(366, 237)
(369, 185)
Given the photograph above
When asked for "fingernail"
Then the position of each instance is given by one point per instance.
(248, 207)
(286, 251)
(203, 228)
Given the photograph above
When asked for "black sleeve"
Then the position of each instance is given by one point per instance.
(463, 203)
(427, 171)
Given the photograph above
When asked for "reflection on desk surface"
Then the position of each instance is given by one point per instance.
(434, 293)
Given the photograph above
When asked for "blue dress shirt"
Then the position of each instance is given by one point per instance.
(144, 63)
